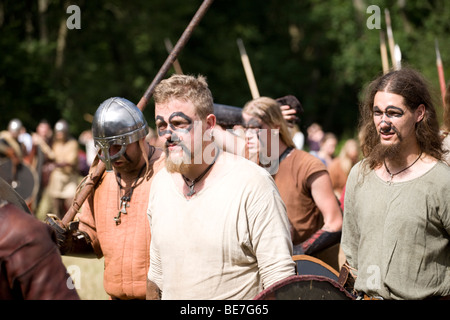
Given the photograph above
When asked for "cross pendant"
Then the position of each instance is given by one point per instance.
(390, 181)
(117, 218)
(124, 204)
(191, 191)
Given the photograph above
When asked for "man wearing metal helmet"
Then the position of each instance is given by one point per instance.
(112, 222)
(10, 146)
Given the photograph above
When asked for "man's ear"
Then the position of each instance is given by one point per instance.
(210, 121)
(420, 113)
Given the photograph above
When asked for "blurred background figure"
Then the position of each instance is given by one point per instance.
(13, 167)
(314, 136)
(340, 166)
(445, 132)
(327, 147)
(292, 109)
(65, 177)
(41, 157)
(10, 146)
(87, 140)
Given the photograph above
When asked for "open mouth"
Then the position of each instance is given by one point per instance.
(386, 135)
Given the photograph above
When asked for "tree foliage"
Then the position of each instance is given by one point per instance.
(321, 51)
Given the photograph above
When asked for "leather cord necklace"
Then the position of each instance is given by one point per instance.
(285, 153)
(126, 198)
(404, 169)
(191, 183)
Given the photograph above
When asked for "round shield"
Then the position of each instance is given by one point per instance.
(24, 181)
(8, 194)
(308, 265)
(305, 287)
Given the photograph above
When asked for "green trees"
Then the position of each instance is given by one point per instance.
(320, 51)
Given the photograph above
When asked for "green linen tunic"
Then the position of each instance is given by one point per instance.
(397, 235)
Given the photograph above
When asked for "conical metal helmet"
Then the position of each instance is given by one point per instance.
(117, 121)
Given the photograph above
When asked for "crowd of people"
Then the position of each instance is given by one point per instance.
(193, 210)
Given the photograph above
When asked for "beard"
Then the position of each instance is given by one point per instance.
(391, 151)
(179, 160)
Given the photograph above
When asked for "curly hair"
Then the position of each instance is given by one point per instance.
(412, 86)
(187, 88)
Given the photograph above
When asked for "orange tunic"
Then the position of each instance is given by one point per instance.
(125, 247)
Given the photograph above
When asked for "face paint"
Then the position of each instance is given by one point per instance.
(390, 112)
(182, 126)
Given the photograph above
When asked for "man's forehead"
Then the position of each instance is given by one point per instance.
(174, 107)
(175, 115)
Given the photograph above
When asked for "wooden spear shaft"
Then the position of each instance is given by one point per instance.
(248, 69)
(383, 51)
(390, 36)
(98, 167)
(176, 50)
(176, 64)
(440, 69)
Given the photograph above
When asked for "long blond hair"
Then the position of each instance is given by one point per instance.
(268, 110)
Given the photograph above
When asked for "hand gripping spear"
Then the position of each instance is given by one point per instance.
(98, 167)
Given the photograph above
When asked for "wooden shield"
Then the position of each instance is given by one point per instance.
(25, 182)
(305, 287)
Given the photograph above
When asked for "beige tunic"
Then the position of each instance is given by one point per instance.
(229, 241)
(64, 180)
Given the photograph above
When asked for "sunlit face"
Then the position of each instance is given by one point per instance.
(395, 123)
(176, 123)
(258, 135)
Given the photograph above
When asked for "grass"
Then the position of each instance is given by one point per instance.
(87, 275)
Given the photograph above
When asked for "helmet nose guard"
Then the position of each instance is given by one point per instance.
(117, 121)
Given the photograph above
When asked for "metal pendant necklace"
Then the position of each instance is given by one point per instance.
(404, 169)
(126, 198)
(191, 183)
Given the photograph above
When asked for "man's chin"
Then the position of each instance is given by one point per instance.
(386, 151)
(176, 164)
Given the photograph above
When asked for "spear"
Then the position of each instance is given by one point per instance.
(169, 48)
(248, 69)
(398, 57)
(176, 50)
(440, 70)
(383, 51)
(98, 167)
(390, 35)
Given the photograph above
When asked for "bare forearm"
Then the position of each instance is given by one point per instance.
(153, 292)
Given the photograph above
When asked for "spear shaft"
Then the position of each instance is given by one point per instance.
(440, 69)
(390, 36)
(98, 167)
(176, 50)
(383, 51)
(248, 69)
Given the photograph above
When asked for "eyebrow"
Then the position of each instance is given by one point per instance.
(160, 120)
(389, 108)
(181, 115)
(253, 122)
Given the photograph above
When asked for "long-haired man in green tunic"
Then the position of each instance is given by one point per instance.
(397, 199)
